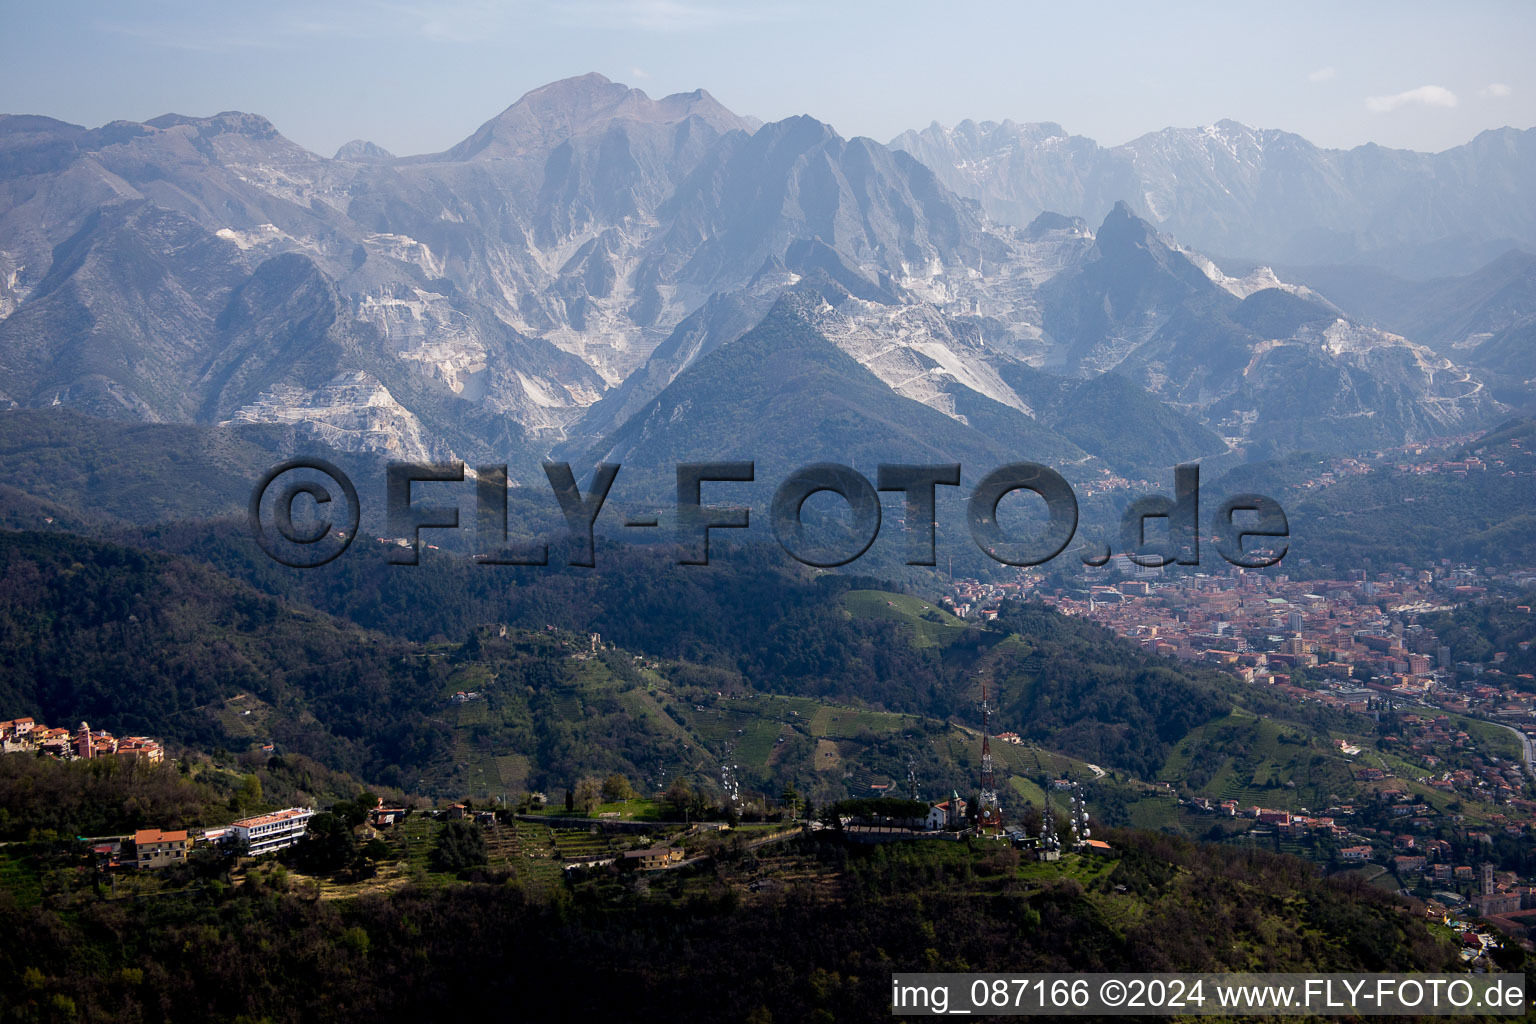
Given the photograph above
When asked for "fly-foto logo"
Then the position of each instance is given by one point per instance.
(336, 513)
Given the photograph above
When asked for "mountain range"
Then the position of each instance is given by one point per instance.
(597, 274)
(1232, 189)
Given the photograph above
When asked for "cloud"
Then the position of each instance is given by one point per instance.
(1425, 95)
(640, 72)
(1321, 75)
(1495, 90)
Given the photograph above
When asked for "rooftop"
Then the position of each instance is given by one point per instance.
(272, 818)
(154, 835)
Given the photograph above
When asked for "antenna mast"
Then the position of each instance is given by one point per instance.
(990, 812)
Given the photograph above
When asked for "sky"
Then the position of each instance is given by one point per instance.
(418, 77)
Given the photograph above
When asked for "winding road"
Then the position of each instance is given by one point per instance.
(1528, 749)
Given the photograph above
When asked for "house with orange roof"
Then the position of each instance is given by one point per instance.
(156, 849)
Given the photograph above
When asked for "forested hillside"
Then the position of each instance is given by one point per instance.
(819, 948)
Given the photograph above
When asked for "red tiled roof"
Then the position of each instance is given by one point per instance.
(154, 835)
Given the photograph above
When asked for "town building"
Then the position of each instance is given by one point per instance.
(156, 849)
(947, 814)
(141, 748)
(24, 735)
(267, 833)
(381, 816)
(654, 858)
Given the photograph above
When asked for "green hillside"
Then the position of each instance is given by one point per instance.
(838, 691)
(926, 624)
(852, 915)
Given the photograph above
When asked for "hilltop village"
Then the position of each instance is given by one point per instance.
(26, 736)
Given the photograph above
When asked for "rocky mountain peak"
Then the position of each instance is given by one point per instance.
(1049, 221)
(571, 107)
(228, 122)
(364, 152)
(1122, 229)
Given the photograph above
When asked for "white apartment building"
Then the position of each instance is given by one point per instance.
(266, 833)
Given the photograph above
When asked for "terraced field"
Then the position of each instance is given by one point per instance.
(475, 712)
(411, 842)
(1156, 813)
(755, 743)
(572, 843)
(791, 710)
(534, 840)
(1025, 792)
(828, 757)
(471, 769)
(245, 716)
(751, 726)
(529, 851)
(541, 876)
(476, 768)
(847, 722)
(643, 705)
(512, 769)
(1033, 762)
(469, 677)
(566, 704)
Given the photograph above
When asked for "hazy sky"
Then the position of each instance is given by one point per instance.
(417, 77)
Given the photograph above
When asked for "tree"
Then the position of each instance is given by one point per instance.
(460, 845)
(329, 845)
(247, 795)
(366, 863)
(679, 797)
(589, 793)
(352, 814)
(616, 789)
(1509, 956)
(791, 799)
